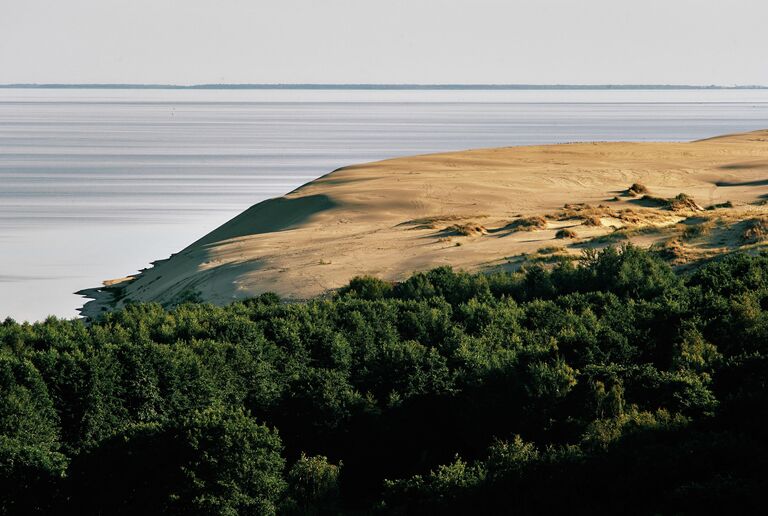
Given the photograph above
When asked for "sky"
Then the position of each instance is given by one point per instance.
(384, 41)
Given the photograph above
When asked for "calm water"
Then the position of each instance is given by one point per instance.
(97, 183)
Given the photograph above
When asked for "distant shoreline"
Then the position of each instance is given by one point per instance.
(382, 87)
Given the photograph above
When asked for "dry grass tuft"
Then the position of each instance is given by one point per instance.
(756, 230)
(433, 221)
(577, 206)
(550, 249)
(575, 211)
(566, 233)
(656, 202)
(469, 229)
(528, 224)
(696, 231)
(684, 202)
(637, 189)
(615, 236)
(672, 250)
(681, 202)
(593, 220)
(627, 233)
(627, 216)
(726, 204)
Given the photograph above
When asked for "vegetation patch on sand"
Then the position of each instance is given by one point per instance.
(680, 202)
(720, 206)
(592, 215)
(637, 189)
(755, 230)
(672, 250)
(433, 222)
(565, 233)
(468, 229)
(697, 229)
(592, 220)
(550, 249)
(533, 223)
(627, 233)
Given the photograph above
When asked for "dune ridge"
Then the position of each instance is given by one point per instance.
(485, 209)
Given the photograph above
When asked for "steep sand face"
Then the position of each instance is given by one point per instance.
(465, 209)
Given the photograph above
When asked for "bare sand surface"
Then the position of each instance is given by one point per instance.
(478, 210)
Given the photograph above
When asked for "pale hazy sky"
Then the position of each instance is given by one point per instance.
(384, 41)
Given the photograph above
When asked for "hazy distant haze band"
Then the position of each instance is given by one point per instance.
(331, 86)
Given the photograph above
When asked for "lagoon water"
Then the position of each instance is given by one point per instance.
(97, 183)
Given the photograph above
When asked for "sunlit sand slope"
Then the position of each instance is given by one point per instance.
(476, 210)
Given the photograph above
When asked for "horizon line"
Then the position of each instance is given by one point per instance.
(391, 86)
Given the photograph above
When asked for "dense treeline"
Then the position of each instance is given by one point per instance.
(612, 386)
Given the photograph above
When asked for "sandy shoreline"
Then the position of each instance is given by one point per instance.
(394, 217)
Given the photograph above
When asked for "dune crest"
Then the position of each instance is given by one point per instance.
(477, 210)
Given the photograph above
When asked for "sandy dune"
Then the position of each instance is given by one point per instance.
(394, 217)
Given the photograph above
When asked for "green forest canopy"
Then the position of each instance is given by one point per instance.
(615, 385)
